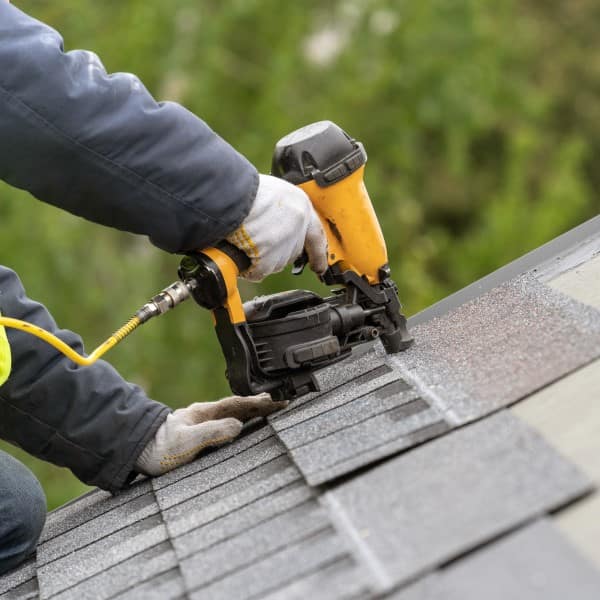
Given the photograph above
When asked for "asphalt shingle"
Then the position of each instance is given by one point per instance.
(263, 539)
(233, 465)
(123, 576)
(500, 347)
(20, 583)
(18, 576)
(67, 571)
(341, 578)
(456, 517)
(273, 570)
(533, 562)
(427, 506)
(192, 531)
(357, 421)
(88, 532)
(88, 507)
(24, 591)
(164, 586)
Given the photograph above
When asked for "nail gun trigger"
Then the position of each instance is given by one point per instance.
(300, 263)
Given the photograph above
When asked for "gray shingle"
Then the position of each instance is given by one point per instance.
(16, 577)
(217, 530)
(370, 448)
(103, 525)
(429, 505)
(165, 586)
(108, 551)
(296, 414)
(342, 578)
(258, 484)
(88, 507)
(500, 347)
(123, 576)
(344, 450)
(273, 571)
(250, 546)
(24, 591)
(365, 418)
(533, 562)
(220, 473)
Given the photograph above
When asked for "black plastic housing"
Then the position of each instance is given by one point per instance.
(321, 151)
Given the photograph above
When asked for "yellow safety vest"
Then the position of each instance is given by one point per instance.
(4, 356)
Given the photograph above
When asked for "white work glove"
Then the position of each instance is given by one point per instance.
(281, 223)
(187, 431)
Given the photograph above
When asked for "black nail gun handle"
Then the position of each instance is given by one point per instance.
(214, 272)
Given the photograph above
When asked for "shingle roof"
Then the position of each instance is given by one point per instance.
(464, 468)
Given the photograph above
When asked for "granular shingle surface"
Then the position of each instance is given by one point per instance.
(402, 478)
(501, 347)
(533, 562)
(456, 493)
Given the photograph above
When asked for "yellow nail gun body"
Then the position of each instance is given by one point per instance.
(274, 343)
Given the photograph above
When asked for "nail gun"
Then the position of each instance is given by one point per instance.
(274, 343)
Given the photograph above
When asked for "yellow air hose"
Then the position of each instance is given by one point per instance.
(51, 339)
(170, 297)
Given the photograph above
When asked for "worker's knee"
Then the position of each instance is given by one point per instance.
(22, 512)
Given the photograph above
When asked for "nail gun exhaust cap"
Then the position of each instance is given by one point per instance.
(321, 151)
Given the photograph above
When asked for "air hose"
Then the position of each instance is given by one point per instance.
(170, 297)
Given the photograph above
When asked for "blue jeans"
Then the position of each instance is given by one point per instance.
(22, 512)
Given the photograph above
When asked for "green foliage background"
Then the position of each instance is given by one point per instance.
(481, 120)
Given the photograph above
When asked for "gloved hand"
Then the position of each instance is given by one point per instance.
(187, 431)
(281, 222)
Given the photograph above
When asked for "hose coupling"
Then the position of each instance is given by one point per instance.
(166, 300)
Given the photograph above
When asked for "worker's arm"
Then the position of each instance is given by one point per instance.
(87, 419)
(101, 147)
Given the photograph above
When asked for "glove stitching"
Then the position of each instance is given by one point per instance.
(249, 242)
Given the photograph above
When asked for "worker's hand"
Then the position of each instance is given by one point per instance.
(187, 431)
(281, 223)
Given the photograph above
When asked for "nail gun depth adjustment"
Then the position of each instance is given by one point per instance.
(275, 343)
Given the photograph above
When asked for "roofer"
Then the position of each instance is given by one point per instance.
(100, 147)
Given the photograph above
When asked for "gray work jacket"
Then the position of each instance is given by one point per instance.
(102, 148)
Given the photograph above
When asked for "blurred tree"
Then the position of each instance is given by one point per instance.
(481, 121)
